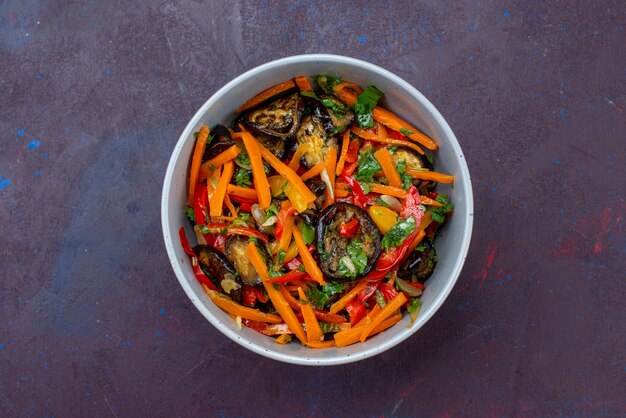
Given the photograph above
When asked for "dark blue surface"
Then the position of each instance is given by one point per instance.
(93, 96)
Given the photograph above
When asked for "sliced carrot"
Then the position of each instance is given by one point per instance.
(345, 142)
(230, 206)
(343, 301)
(313, 171)
(295, 305)
(217, 161)
(302, 149)
(418, 238)
(211, 183)
(321, 344)
(283, 339)
(285, 238)
(424, 200)
(258, 171)
(303, 83)
(393, 305)
(387, 118)
(352, 335)
(390, 190)
(430, 175)
(266, 95)
(313, 331)
(384, 158)
(427, 219)
(196, 161)
(383, 140)
(330, 163)
(291, 176)
(279, 302)
(217, 200)
(339, 88)
(342, 190)
(236, 309)
(245, 192)
(310, 266)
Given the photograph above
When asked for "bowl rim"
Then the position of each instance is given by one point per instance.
(169, 235)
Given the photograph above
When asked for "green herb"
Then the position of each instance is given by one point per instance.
(366, 187)
(327, 82)
(190, 213)
(252, 239)
(318, 297)
(310, 94)
(367, 166)
(243, 158)
(204, 230)
(439, 214)
(241, 220)
(271, 211)
(407, 180)
(398, 233)
(300, 267)
(308, 233)
(413, 308)
(337, 109)
(242, 177)
(281, 256)
(328, 327)
(195, 134)
(364, 105)
(431, 160)
(272, 272)
(223, 230)
(320, 249)
(380, 299)
(420, 248)
(381, 202)
(358, 258)
(393, 149)
(406, 132)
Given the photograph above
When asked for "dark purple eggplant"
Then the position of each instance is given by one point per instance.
(420, 264)
(346, 258)
(317, 187)
(219, 270)
(236, 253)
(278, 119)
(221, 142)
(312, 132)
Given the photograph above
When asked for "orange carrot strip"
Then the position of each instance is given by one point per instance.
(245, 192)
(303, 83)
(290, 175)
(418, 238)
(295, 305)
(217, 200)
(390, 190)
(266, 95)
(236, 309)
(343, 301)
(313, 331)
(430, 202)
(330, 163)
(196, 161)
(341, 190)
(384, 158)
(393, 305)
(217, 161)
(285, 238)
(230, 206)
(383, 140)
(430, 175)
(344, 151)
(283, 339)
(387, 118)
(294, 163)
(321, 344)
(310, 266)
(313, 171)
(279, 302)
(260, 179)
(340, 88)
(352, 335)
(212, 182)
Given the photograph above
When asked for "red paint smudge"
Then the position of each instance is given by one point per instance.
(602, 231)
(588, 235)
(492, 251)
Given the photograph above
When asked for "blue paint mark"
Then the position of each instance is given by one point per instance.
(161, 311)
(301, 34)
(128, 343)
(37, 76)
(561, 84)
(562, 111)
(108, 71)
(20, 132)
(523, 346)
(88, 394)
(362, 39)
(585, 399)
(568, 288)
(437, 41)
(509, 277)
(589, 277)
(561, 210)
(493, 189)
(557, 162)
(472, 57)
(34, 144)
(1, 346)
(4, 183)
(506, 14)
(37, 173)
(45, 157)
(610, 171)
(159, 333)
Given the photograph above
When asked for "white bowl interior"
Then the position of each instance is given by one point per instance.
(402, 99)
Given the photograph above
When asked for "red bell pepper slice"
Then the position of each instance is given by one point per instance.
(396, 135)
(227, 229)
(201, 205)
(348, 229)
(353, 151)
(388, 291)
(195, 265)
(246, 206)
(240, 199)
(328, 317)
(357, 192)
(248, 296)
(263, 327)
(369, 290)
(289, 277)
(284, 212)
(294, 264)
(356, 310)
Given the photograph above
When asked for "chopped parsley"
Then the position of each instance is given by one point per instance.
(319, 297)
(439, 214)
(398, 233)
(406, 132)
(190, 213)
(365, 103)
(241, 220)
(243, 158)
(281, 257)
(368, 165)
(355, 262)
(407, 180)
(242, 177)
(308, 233)
(329, 327)
(380, 299)
(327, 82)
(271, 211)
(413, 308)
(381, 202)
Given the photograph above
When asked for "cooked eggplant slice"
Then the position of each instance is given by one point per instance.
(341, 115)
(220, 143)
(411, 158)
(352, 255)
(279, 118)
(312, 132)
(219, 270)
(278, 147)
(236, 254)
(318, 187)
(420, 264)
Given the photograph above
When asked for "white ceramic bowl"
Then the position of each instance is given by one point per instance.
(402, 99)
